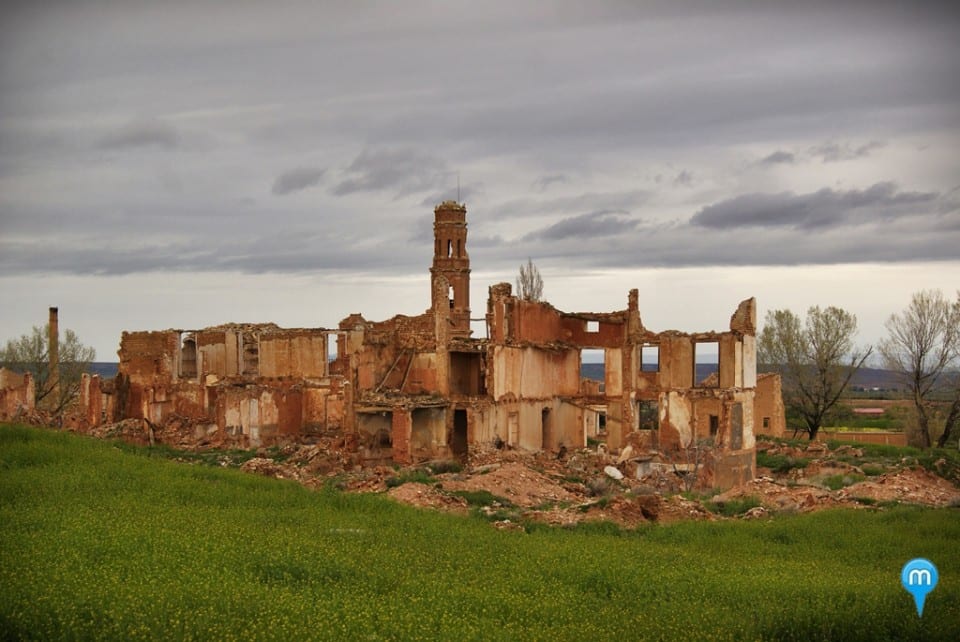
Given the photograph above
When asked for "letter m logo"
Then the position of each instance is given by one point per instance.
(919, 577)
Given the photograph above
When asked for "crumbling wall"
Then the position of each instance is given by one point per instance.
(17, 394)
(397, 354)
(149, 357)
(768, 406)
(593, 330)
(217, 353)
(535, 373)
(323, 405)
(91, 400)
(255, 415)
(293, 353)
(428, 432)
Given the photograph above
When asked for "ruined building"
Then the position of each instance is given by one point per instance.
(415, 388)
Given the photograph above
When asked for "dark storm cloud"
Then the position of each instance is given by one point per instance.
(141, 133)
(778, 157)
(822, 209)
(404, 171)
(297, 179)
(592, 225)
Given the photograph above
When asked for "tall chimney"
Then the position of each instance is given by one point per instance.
(54, 347)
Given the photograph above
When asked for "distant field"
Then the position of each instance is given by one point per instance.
(98, 542)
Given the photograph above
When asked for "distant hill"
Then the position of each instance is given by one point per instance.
(595, 371)
(105, 369)
(864, 379)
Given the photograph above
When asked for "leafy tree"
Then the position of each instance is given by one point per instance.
(31, 353)
(923, 347)
(816, 359)
(529, 282)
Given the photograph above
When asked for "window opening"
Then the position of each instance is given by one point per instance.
(593, 326)
(593, 366)
(650, 358)
(648, 414)
(188, 357)
(706, 364)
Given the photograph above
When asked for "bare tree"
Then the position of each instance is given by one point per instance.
(923, 346)
(529, 282)
(30, 353)
(816, 359)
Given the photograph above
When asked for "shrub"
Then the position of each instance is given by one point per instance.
(445, 466)
(415, 475)
(598, 486)
(733, 507)
(836, 482)
(780, 463)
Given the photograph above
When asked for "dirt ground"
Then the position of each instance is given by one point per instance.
(510, 487)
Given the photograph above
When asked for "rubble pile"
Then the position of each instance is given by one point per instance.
(630, 487)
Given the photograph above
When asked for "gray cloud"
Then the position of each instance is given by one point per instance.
(777, 157)
(592, 225)
(297, 179)
(627, 94)
(683, 179)
(587, 201)
(404, 170)
(824, 208)
(542, 183)
(141, 133)
(464, 193)
(832, 152)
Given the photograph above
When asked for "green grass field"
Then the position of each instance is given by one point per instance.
(97, 542)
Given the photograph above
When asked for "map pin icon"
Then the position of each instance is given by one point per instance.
(919, 576)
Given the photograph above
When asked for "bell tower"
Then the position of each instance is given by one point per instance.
(452, 264)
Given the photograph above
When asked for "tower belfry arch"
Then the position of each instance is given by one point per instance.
(452, 264)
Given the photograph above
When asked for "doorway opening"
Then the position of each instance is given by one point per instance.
(458, 441)
(546, 429)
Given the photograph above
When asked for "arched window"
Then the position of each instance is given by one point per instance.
(188, 357)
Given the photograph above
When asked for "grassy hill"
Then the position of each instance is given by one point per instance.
(104, 541)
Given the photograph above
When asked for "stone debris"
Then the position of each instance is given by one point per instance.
(913, 485)
(613, 472)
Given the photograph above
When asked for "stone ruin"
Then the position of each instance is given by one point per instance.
(410, 389)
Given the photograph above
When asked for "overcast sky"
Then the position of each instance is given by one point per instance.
(185, 164)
